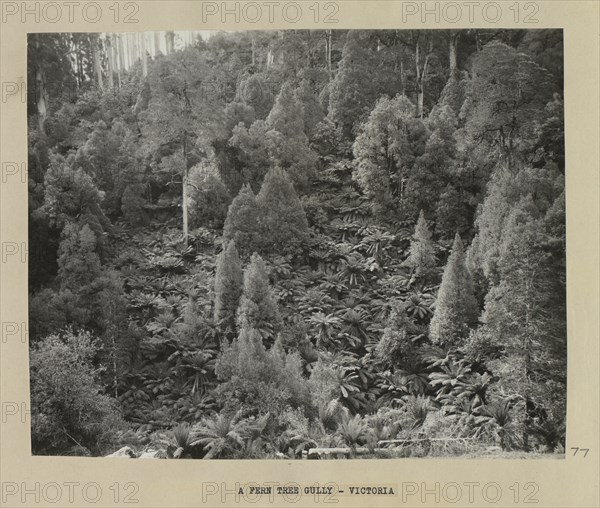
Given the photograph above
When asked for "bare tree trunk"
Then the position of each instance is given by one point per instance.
(170, 41)
(419, 78)
(184, 204)
(125, 51)
(111, 67)
(117, 58)
(453, 52)
(156, 43)
(185, 208)
(98, 68)
(422, 91)
(132, 48)
(127, 45)
(111, 335)
(136, 47)
(42, 100)
(529, 330)
(184, 197)
(402, 74)
(144, 54)
(114, 362)
(280, 55)
(328, 46)
(121, 52)
(421, 75)
(78, 63)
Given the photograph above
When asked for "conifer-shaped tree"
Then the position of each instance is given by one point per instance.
(287, 142)
(258, 307)
(242, 222)
(252, 354)
(354, 89)
(229, 282)
(287, 115)
(456, 306)
(264, 380)
(521, 252)
(284, 225)
(244, 359)
(422, 251)
(313, 112)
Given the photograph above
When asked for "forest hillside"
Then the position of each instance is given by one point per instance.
(266, 243)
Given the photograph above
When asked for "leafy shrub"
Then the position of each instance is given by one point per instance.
(68, 407)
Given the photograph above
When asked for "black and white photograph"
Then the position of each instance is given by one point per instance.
(297, 244)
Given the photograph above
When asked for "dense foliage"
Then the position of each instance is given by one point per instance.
(267, 242)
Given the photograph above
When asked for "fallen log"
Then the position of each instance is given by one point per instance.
(341, 452)
(419, 440)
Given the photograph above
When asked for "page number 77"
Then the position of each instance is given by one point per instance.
(580, 451)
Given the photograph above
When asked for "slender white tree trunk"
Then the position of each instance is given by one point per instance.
(421, 76)
(453, 52)
(98, 69)
(111, 67)
(156, 43)
(121, 52)
(144, 54)
(117, 58)
(131, 49)
(328, 46)
(170, 41)
(42, 100)
(184, 195)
